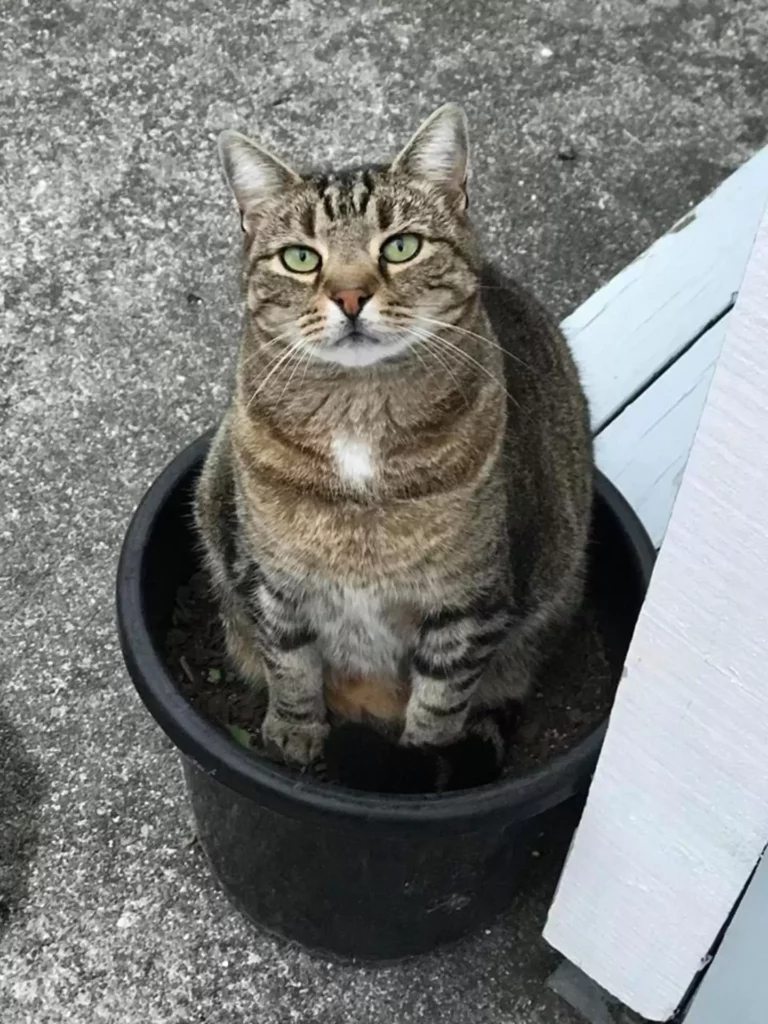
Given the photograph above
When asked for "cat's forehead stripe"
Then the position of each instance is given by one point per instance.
(345, 193)
(362, 196)
(330, 213)
(383, 201)
(384, 213)
(308, 219)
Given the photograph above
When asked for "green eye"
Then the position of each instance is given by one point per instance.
(300, 259)
(400, 248)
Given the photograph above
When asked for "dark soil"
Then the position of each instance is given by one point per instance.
(572, 696)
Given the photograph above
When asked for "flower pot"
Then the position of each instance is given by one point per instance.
(357, 875)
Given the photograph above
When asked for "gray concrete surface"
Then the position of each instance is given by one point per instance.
(113, 214)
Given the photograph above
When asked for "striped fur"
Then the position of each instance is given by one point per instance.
(392, 495)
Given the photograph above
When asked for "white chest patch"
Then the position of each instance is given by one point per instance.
(354, 460)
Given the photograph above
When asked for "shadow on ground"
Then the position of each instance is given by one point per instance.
(21, 791)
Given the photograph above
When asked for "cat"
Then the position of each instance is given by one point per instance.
(398, 491)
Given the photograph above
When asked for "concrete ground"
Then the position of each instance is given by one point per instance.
(120, 319)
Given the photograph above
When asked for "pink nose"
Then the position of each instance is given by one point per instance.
(351, 300)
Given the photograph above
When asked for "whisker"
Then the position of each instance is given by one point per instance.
(444, 363)
(471, 361)
(455, 327)
(286, 355)
(431, 334)
(424, 363)
(287, 326)
(472, 334)
(297, 363)
(307, 363)
(269, 364)
(303, 322)
(464, 331)
(265, 345)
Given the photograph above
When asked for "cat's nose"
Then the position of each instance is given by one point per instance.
(350, 300)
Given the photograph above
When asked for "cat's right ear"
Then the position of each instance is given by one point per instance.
(252, 172)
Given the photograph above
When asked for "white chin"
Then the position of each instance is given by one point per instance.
(360, 353)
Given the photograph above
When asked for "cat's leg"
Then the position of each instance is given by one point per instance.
(295, 722)
(243, 654)
(296, 717)
(453, 651)
(268, 638)
(270, 643)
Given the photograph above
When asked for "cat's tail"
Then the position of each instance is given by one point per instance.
(360, 757)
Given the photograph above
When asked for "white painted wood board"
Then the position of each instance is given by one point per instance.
(677, 815)
(645, 450)
(637, 324)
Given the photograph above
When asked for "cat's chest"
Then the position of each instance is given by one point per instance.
(360, 630)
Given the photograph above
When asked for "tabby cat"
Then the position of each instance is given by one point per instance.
(398, 497)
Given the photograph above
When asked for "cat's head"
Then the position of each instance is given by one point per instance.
(357, 266)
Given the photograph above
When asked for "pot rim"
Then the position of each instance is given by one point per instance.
(208, 746)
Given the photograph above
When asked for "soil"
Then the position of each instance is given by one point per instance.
(572, 695)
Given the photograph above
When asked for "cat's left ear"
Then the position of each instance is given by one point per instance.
(439, 151)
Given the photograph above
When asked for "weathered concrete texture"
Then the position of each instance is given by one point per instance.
(114, 212)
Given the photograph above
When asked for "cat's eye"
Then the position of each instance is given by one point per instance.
(300, 259)
(400, 248)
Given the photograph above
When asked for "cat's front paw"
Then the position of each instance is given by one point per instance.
(436, 733)
(297, 742)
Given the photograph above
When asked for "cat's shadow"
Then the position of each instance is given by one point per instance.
(22, 789)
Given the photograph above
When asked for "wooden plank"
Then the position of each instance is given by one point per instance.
(735, 987)
(677, 814)
(645, 450)
(628, 331)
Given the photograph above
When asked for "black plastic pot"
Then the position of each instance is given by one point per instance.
(357, 875)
